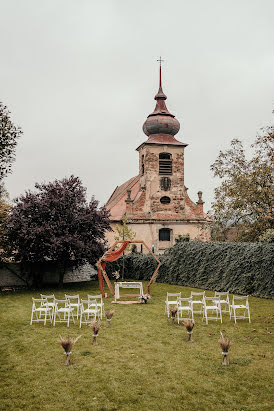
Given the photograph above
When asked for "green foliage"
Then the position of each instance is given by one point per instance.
(244, 198)
(9, 135)
(244, 268)
(4, 210)
(185, 237)
(55, 223)
(123, 231)
(267, 236)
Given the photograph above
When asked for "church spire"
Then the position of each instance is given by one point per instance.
(161, 121)
(161, 95)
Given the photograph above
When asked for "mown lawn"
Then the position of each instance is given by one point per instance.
(142, 362)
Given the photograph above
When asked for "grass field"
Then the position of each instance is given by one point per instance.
(141, 362)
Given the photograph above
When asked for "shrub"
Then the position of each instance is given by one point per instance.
(242, 268)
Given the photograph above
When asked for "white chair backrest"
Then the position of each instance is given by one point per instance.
(88, 303)
(40, 302)
(61, 303)
(240, 298)
(185, 301)
(173, 295)
(73, 298)
(194, 294)
(214, 300)
(95, 297)
(221, 294)
(48, 297)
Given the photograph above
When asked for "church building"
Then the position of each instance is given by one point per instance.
(155, 201)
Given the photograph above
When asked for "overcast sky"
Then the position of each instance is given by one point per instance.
(79, 77)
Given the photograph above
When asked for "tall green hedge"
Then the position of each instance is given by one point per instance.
(243, 268)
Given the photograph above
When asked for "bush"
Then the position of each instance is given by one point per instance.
(242, 268)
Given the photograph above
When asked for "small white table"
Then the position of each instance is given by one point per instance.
(131, 284)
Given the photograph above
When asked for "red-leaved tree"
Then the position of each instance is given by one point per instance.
(56, 224)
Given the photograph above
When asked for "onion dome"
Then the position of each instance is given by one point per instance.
(161, 121)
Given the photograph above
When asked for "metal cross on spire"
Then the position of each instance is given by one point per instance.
(160, 61)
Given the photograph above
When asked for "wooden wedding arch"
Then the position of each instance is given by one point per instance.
(112, 255)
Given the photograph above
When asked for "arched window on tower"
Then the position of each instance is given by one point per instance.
(165, 164)
(143, 165)
(164, 234)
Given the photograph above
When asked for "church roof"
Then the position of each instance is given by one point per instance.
(116, 203)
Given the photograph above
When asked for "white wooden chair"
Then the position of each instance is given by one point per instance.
(184, 305)
(171, 302)
(100, 303)
(40, 306)
(212, 304)
(88, 308)
(74, 302)
(224, 300)
(63, 311)
(240, 304)
(50, 300)
(198, 299)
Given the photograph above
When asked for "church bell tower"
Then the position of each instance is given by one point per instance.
(161, 162)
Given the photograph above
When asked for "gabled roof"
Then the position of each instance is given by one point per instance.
(116, 203)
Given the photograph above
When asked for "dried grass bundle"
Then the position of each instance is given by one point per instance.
(173, 312)
(225, 344)
(109, 315)
(67, 344)
(95, 326)
(189, 327)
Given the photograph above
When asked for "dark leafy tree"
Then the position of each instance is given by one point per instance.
(9, 135)
(4, 210)
(57, 224)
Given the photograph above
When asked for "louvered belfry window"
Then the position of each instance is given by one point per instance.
(165, 164)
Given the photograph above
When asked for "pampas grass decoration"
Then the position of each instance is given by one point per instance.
(144, 298)
(67, 344)
(173, 312)
(189, 327)
(95, 326)
(225, 344)
(109, 315)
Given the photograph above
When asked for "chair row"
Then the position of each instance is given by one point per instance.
(49, 308)
(211, 307)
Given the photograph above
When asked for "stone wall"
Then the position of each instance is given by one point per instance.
(10, 275)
